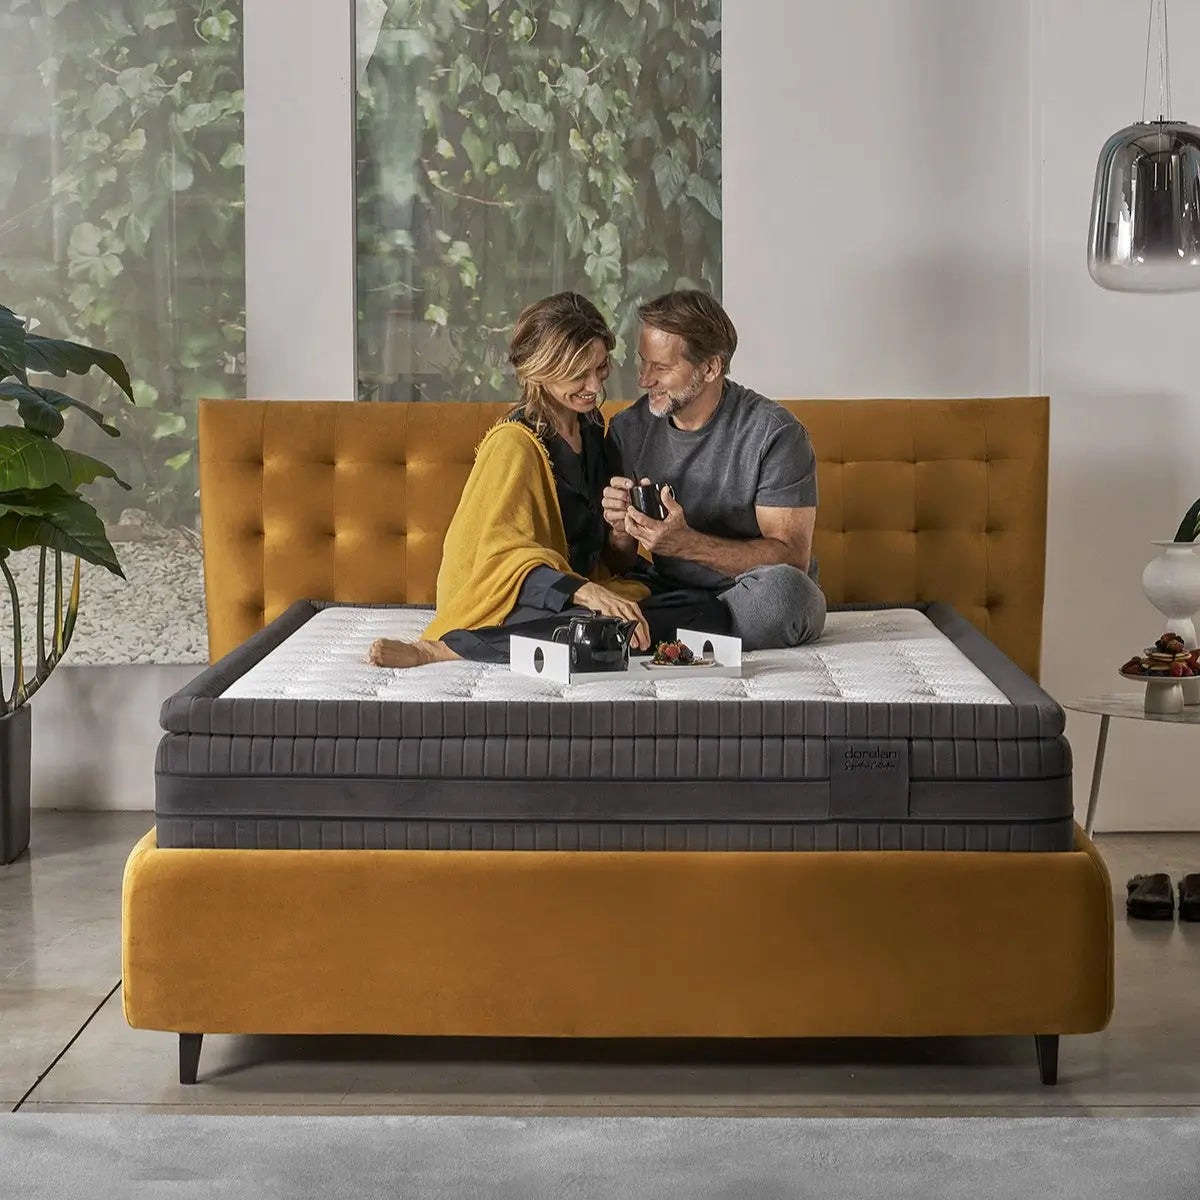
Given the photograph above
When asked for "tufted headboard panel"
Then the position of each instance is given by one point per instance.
(331, 500)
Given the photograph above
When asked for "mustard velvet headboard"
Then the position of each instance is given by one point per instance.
(333, 500)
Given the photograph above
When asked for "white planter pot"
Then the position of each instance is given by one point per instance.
(1171, 582)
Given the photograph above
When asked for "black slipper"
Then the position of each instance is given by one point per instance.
(1189, 897)
(1151, 897)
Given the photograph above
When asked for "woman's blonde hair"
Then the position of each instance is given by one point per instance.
(552, 343)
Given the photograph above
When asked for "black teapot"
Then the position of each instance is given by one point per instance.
(597, 643)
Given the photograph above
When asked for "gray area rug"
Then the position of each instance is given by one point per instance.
(561, 1158)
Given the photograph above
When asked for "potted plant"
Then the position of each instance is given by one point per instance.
(1189, 527)
(40, 507)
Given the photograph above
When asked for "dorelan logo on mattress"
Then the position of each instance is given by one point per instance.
(875, 759)
(868, 778)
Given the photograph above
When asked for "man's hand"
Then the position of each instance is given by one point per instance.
(669, 536)
(599, 599)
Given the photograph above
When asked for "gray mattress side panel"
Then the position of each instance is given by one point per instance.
(292, 834)
(661, 758)
(603, 719)
(199, 707)
(999, 801)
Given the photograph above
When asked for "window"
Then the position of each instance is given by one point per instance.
(509, 149)
(121, 225)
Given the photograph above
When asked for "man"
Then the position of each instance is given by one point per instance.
(737, 474)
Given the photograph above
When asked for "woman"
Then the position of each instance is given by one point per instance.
(528, 546)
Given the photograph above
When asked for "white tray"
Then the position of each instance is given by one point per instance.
(551, 661)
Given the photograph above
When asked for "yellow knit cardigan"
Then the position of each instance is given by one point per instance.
(507, 522)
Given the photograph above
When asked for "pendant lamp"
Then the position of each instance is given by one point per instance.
(1145, 227)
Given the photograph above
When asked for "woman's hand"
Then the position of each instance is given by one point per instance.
(615, 503)
(599, 599)
(614, 500)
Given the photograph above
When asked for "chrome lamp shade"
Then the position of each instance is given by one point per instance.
(1145, 227)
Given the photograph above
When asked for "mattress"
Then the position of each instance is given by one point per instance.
(901, 728)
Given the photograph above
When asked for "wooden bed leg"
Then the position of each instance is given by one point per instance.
(1047, 1056)
(189, 1056)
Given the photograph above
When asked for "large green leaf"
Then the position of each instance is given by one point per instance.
(56, 519)
(40, 407)
(707, 193)
(30, 461)
(12, 344)
(59, 358)
(38, 414)
(85, 469)
(670, 174)
(62, 401)
(643, 273)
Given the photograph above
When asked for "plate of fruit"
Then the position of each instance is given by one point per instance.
(1167, 661)
(676, 654)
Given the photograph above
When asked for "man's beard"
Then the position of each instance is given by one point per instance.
(677, 402)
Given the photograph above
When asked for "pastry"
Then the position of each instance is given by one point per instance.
(1167, 658)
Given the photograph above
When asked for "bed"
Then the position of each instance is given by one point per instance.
(947, 893)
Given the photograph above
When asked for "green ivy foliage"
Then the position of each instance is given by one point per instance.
(508, 149)
(121, 209)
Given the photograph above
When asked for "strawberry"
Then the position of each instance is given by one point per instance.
(673, 652)
(1176, 670)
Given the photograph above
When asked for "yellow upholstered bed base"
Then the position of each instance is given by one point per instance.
(617, 944)
(920, 500)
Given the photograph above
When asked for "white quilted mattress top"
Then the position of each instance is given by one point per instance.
(893, 655)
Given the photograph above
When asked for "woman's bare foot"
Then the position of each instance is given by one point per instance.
(388, 652)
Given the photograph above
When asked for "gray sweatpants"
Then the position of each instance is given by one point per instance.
(775, 606)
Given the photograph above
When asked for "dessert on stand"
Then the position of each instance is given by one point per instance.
(1165, 668)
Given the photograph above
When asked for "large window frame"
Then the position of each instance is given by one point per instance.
(507, 150)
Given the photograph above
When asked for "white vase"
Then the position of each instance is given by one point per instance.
(1171, 583)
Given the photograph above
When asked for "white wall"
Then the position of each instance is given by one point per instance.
(890, 229)
(1125, 436)
(95, 730)
(876, 178)
(299, 199)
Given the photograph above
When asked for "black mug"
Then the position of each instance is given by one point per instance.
(646, 499)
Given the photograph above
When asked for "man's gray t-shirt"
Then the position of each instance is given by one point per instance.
(751, 452)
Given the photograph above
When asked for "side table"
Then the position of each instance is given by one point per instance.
(1132, 707)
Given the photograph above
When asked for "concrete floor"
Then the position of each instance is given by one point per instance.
(64, 1045)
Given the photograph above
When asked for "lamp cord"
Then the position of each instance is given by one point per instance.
(1164, 62)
